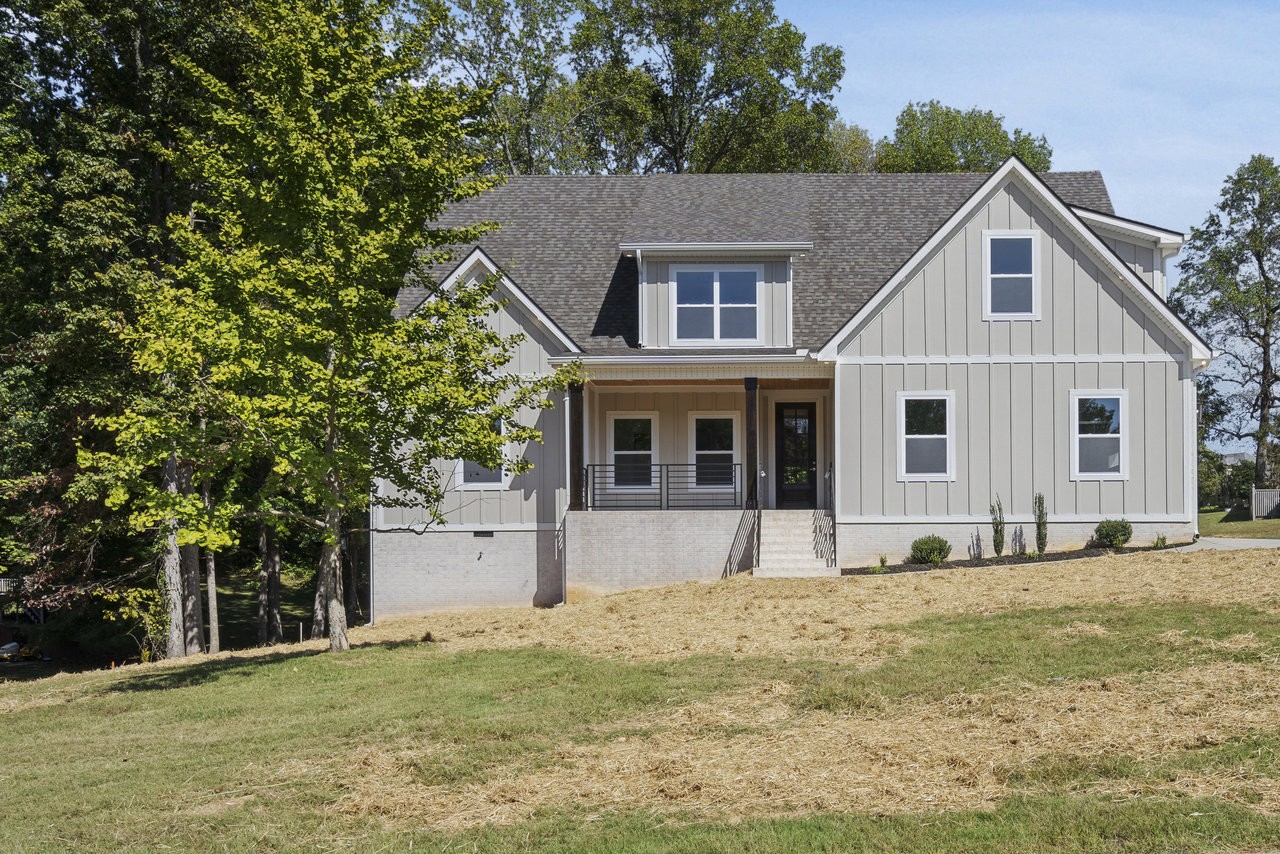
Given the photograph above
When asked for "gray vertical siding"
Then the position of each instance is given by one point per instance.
(658, 294)
(1012, 382)
(540, 495)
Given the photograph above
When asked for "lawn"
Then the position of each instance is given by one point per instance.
(1235, 522)
(1126, 703)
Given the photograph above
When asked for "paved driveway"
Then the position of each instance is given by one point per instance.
(1226, 544)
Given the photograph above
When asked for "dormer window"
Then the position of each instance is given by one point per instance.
(1011, 280)
(716, 303)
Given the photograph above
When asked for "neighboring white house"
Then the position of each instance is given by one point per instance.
(800, 373)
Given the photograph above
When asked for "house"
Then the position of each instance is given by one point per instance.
(801, 373)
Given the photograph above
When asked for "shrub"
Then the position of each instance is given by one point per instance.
(997, 527)
(1113, 533)
(1042, 523)
(1160, 542)
(930, 549)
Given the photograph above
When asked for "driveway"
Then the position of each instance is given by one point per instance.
(1227, 544)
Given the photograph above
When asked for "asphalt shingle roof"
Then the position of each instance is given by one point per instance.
(559, 237)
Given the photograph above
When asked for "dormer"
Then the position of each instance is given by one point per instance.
(695, 296)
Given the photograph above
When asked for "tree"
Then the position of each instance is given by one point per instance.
(322, 168)
(685, 86)
(1230, 292)
(931, 137)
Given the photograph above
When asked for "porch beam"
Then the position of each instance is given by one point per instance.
(577, 501)
(751, 466)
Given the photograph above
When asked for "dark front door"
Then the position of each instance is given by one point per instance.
(797, 455)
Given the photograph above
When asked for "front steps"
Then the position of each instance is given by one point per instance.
(796, 544)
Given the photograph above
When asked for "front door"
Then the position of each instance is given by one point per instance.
(797, 455)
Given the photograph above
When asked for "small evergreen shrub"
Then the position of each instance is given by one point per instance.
(1160, 542)
(997, 527)
(884, 561)
(930, 549)
(1113, 533)
(1042, 523)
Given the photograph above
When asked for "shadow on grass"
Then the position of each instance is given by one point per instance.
(1238, 513)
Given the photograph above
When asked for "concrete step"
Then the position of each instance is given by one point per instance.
(813, 570)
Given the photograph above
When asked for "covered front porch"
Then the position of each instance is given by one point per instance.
(706, 444)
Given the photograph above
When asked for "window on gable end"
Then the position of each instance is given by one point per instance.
(1011, 278)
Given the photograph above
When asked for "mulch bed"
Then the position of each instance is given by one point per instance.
(1003, 560)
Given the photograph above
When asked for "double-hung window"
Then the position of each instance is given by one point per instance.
(716, 304)
(473, 475)
(926, 435)
(1098, 440)
(1011, 277)
(712, 447)
(633, 448)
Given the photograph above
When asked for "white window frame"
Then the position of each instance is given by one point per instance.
(693, 444)
(1074, 414)
(987, 236)
(950, 474)
(610, 417)
(459, 469)
(716, 340)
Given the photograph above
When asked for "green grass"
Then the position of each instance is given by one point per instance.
(1236, 523)
(128, 759)
(975, 652)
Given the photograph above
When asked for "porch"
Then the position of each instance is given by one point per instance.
(712, 444)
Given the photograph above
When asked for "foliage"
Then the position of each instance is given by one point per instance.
(144, 609)
(931, 137)
(930, 548)
(1042, 523)
(692, 86)
(1160, 542)
(997, 527)
(1230, 292)
(1113, 533)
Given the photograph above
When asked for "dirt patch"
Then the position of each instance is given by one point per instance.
(841, 619)
(955, 754)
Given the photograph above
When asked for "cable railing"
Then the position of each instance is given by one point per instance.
(664, 486)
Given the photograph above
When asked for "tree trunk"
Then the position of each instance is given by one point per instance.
(175, 638)
(1266, 402)
(192, 618)
(270, 632)
(319, 607)
(331, 571)
(211, 584)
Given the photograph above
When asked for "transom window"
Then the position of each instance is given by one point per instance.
(926, 435)
(1098, 449)
(1011, 286)
(633, 450)
(716, 303)
(713, 448)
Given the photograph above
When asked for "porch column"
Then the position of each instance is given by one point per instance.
(751, 464)
(577, 501)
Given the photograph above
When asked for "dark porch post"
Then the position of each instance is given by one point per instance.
(576, 499)
(751, 468)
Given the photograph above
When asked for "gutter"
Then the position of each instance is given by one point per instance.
(799, 357)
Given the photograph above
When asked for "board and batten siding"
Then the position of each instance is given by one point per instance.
(657, 296)
(539, 497)
(1012, 382)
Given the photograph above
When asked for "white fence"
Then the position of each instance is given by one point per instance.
(9, 585)
(1266, 503)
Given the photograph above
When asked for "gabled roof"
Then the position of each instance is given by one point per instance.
(560, 237)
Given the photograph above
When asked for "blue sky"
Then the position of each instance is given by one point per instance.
(1166, 99)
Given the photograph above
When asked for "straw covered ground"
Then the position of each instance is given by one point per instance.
(1117, 703)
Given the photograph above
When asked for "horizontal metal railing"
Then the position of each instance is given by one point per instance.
(664, 486)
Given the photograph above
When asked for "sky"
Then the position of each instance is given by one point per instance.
(1165, 99)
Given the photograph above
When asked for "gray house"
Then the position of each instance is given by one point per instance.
(801, 373)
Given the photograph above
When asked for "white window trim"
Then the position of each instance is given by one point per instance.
(987, 236)
(758, 269)
(950, 398)
(693, 446)
(503, 483)
(610, 417)
(1074, 415)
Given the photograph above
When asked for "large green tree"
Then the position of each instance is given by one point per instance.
(321, 170)
(719, 86)
(1230, 292)
(932, 137)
